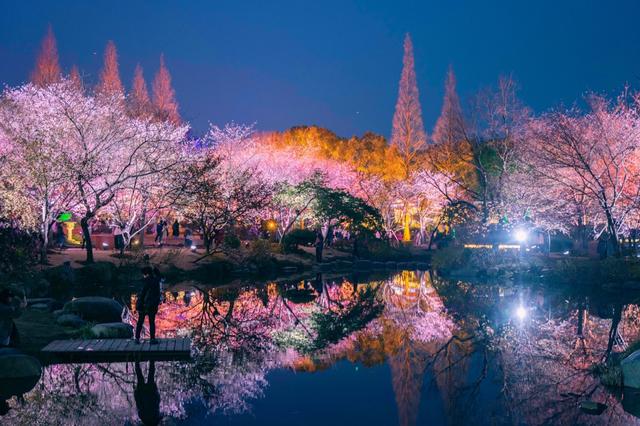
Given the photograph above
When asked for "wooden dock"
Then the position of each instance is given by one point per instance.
(116, 350)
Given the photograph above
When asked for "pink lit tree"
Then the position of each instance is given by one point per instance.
(110, 83)
(47, 69)
(164, 97)
(593, 157)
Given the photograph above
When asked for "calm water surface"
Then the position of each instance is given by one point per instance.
(408, 348)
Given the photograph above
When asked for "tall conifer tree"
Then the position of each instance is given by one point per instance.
(47, 69)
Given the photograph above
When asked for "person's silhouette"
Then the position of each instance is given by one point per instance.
(147, 396)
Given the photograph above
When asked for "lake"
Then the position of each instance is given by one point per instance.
(401, 348)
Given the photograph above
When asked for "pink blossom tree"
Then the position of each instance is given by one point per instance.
(594, 157)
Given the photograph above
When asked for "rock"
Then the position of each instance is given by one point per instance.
(18, 365)
(631, 401)
(40, 306)
(592, 407)
(71, 320)
(631, 370)
(112, 330)
(95, 309)
(47, 301)
(17, 386)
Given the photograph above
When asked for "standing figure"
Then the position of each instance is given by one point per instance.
(176, 228)
(147, 303)
(159, 232)
(319, 246)
(188, 241)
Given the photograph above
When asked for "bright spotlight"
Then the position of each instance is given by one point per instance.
(521, 312)
(193, 247)
(521, 235)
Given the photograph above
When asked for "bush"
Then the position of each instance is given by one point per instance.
(293, 239)
(381, 251)
(450, 258)
(18, 248)
(260, 255)
(232, 241)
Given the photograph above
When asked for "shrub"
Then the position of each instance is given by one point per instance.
(232, 241)
(450, 258)
(381, 250)
(293, 239)
(260, 255)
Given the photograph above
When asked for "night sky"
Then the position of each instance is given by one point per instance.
(334, 63)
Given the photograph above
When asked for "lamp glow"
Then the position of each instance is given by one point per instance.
(521, 312)
(521, 235)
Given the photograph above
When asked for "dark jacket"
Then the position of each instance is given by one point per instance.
(149, 296)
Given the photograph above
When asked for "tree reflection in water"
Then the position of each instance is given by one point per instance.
(457, 341)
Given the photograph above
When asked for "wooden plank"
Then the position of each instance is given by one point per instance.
(116, 350)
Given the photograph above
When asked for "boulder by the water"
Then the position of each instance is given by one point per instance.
(631, 401)
(19, 373)
(592, 407)
(95, 309)
(112, 330)
(631, 370)
(70, 320)
(15, 365)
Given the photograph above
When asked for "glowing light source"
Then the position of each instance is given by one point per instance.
(521, 312)
(193, 247)
(105, 246)
(521, 235)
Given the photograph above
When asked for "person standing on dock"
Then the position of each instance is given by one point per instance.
(147, 303)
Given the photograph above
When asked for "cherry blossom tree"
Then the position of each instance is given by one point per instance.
(37, 162)
(218, 191)
(595, 156)
(93, 148)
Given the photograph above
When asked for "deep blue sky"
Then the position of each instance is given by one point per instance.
(334, 63)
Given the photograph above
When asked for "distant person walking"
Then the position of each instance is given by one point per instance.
(188, 238)
(147, 303)
(160, 231)
(176, 228)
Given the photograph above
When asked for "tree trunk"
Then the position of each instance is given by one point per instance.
(45, 244)
(613, 234)
(88, 244)
(406, 230)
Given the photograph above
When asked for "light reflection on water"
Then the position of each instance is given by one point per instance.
(407, 349)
